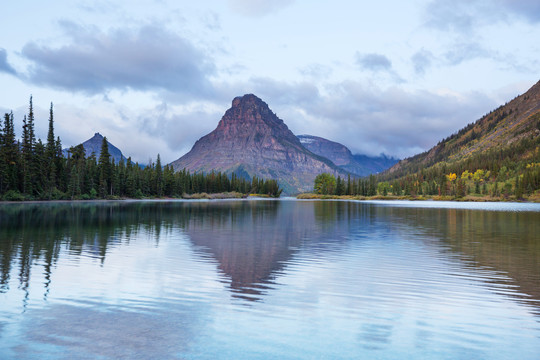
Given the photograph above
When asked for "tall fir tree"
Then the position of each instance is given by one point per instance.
(159, 177)
(3, 163)
(51, 142)
(51, 153)
(26, 158)
(10, 153)
(104, 166)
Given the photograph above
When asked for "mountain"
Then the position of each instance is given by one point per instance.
(507, 138)
(93, 145)
(251, 140)
(375, 165)
(340, 155)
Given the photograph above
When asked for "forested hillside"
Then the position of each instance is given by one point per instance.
(494, 158)
(498, 155)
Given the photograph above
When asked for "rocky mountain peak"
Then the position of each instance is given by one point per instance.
(251, 140)
(249, 123)
(93, 146)
(249, 113)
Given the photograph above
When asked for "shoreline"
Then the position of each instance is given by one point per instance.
(468, 198)
(189, 197)
(304, 196)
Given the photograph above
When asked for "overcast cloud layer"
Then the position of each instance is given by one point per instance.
(147, 58)
(154, 76)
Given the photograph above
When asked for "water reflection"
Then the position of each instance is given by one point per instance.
(327, 279)
(506, 241)
(252, 241)
(34, 233)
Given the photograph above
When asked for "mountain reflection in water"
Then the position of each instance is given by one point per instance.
(274, 278)
(251, 240)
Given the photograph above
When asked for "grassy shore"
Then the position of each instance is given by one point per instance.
(475, 198)
(197, 196)
(216, 196)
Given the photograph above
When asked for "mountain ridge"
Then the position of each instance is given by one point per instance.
(504, 126)
(340, 155)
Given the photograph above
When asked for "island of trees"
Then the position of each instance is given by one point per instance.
(33, 170)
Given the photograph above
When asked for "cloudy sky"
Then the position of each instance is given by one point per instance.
(153, 76)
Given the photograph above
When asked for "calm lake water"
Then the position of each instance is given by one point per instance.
(265, 279)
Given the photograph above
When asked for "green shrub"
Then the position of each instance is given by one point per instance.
(13, 195)
(138, 194)
(93, 193)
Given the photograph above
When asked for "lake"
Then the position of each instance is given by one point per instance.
(269, 279)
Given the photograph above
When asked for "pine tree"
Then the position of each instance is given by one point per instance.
(340, 186)
(3, 163)
(104, 167)
(159, 177)
(74, 188)
(51, 143)
(10, 152)
(28, 147)
(27, 150)
(51, 153)
(130, 178)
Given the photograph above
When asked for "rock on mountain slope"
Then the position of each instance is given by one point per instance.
(361, 165)
(251, 140)
(517, 123)
(93, 145)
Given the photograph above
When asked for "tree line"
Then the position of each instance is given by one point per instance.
(33, 170)
(328, 184)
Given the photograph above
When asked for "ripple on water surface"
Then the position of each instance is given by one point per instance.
(273, 280)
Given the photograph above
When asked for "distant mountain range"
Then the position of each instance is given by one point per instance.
(340, 155)
(93, 146)
(250, 140)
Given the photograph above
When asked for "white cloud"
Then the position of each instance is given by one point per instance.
(258, 8)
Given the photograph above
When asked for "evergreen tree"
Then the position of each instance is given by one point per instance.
(27, 149)
(3, 163)
(159, 177)
(51, 142)
(340, 186)
(104, 166)
(9, 153)
(51, 153)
